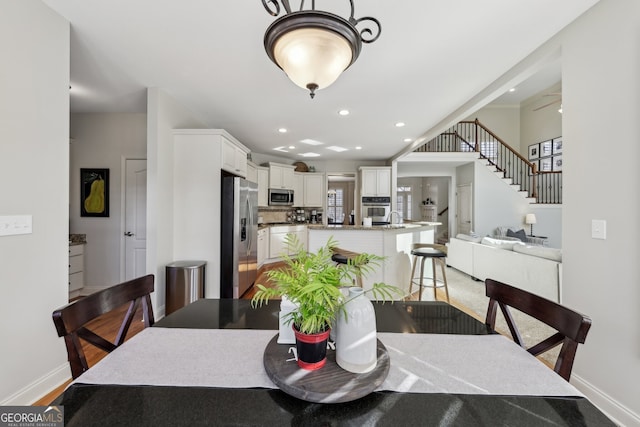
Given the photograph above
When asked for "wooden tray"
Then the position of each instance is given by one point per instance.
(329, 384)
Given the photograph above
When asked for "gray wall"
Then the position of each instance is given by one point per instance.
(34, 180)
(103, 141)
(600, 72)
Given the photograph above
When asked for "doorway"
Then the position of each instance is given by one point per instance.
(341, 189)
(135, 218)
(464, 212)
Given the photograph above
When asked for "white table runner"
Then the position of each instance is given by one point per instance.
(420, 363)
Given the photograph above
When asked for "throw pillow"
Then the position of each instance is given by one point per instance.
(520, 234)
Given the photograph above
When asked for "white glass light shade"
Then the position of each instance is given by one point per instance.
(312, 56)
(530, 219)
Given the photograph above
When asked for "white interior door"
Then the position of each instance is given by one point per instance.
(464, 208)
(135, 231)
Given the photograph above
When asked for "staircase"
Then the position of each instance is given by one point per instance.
(505, 162)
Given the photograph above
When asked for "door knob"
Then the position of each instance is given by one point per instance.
(128, 234)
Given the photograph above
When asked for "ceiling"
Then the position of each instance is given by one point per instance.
(431, 57)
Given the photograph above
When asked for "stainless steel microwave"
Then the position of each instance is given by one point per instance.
(280, 197)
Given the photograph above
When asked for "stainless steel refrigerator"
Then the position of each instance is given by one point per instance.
(238, 236)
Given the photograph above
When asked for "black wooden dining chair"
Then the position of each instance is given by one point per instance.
(571, 326)
(71, 319)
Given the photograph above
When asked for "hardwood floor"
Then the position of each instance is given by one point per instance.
(106, 326)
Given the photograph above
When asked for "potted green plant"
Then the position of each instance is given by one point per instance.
(313, 282)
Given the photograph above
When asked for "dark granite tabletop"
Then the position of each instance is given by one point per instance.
(115, 405)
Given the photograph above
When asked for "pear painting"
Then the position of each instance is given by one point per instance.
(94, 192)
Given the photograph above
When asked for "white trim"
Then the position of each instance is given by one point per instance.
(40, 387)
(618, 413)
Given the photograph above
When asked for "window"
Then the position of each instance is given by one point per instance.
(403, 202)
(335, 205)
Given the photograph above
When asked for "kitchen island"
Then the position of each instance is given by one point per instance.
(394, 242)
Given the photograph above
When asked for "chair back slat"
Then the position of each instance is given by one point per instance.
(571, 326)
(71, 319)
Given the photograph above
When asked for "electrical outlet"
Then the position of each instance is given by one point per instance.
(598, 229)
(15, 224)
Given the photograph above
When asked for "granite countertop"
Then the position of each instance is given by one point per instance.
(77, 239)
(403, 226)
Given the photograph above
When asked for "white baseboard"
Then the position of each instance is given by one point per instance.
(618, 413)
(40, 387)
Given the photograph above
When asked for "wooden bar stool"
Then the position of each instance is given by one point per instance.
(342, 256)
(437, 253)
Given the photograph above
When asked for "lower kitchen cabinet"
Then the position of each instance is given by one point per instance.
(263, 245)
(76, 270)
(277, 237)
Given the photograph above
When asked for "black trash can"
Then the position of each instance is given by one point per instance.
(184, 284)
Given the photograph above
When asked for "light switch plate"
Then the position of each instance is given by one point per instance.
(598, 229)
(15, 224)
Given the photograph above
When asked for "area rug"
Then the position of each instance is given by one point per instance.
(469, 295)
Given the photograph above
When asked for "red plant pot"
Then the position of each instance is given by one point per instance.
(312, 349)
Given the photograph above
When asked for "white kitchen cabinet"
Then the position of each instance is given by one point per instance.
(252, 172)
(277, 236)
(195, 202)
(263, 245)
(263, 186)
(281, 176)
(234, 158)
(314, 193)
(76, 270)
(376, 181)
(298, 189)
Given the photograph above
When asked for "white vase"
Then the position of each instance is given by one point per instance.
(356, 335)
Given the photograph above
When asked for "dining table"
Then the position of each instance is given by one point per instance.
(203, 365)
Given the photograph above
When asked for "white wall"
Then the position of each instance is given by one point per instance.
(601, 107)
(540, 125)
(502, 120)
(102, 141)
(34, 180)
(163, 115)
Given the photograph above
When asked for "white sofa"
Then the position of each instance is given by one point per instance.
(532, 268)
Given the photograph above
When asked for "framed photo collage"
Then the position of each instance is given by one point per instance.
(547, 155)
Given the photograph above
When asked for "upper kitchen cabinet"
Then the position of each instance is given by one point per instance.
(263, 186)
(252, 172)
(298, 189)
(376, 181)
(281, 176)
(234, 157)
(314, 192)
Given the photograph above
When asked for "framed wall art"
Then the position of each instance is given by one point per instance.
(546, 148)
(557, 145)
(545, 164)
(94, 192)
(557, 163)
(534, 151)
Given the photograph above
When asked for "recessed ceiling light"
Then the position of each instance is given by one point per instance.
(281, 149)
(343, 112)
(311, 142)
(336, 149)
(358, 148)
(282, 130)
(513, 89)
(408, 140)
(292, 147)
(310, 154)
(399, 124)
